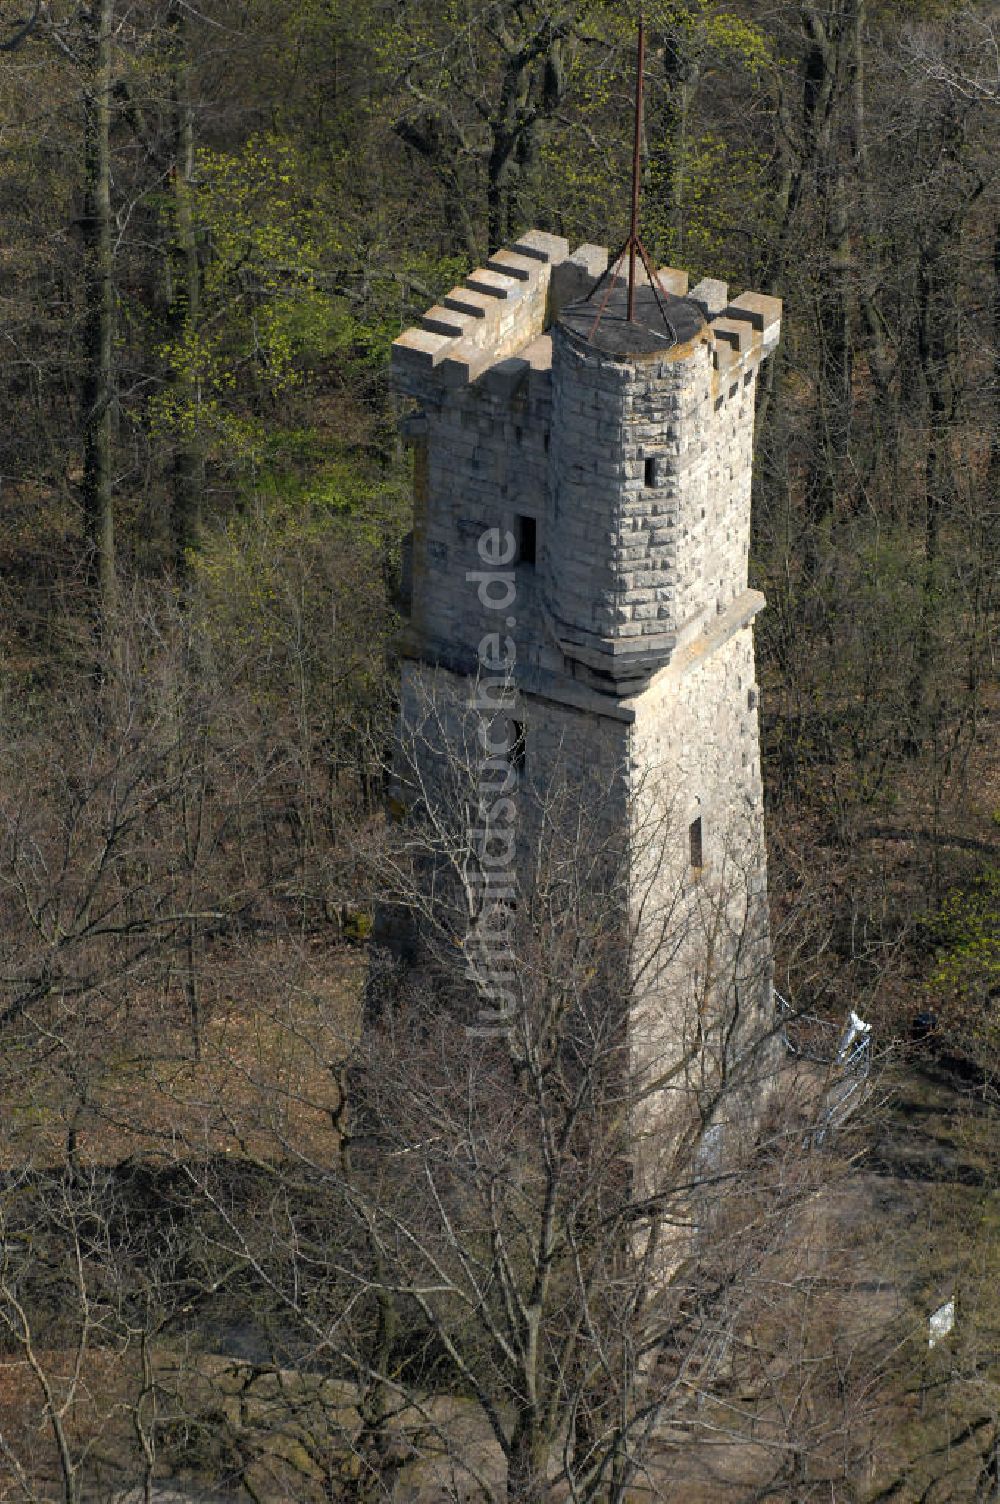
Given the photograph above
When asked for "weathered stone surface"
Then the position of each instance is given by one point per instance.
(542, 246)
(464, 300)
(763, 312)
(443, 320)
(494, 284)
(419, 349)
(576, 277)
(513, 264)
(674, 281)
(539, 353)
(711, 294)
(738, 333)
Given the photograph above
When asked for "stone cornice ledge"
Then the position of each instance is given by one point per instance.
(737, 615)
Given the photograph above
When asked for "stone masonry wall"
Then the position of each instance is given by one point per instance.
(628, 574)
(702, 997)
(487, 464)
(650, 479)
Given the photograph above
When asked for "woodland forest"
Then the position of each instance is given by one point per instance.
(249, 1250)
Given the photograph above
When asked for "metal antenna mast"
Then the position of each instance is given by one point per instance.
(633, 246)
(634, 243)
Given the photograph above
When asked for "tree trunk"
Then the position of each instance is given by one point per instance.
(189, 460)
(527, 1464)
(993, 472)
(533, 87)
(883, 453)
(680, 76)
(936, 351)
(98, 279)
(833, 318)
(376, 1399)
(832, 39)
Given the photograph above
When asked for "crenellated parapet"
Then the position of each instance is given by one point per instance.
(499, 309)
(745, 333)
(521, 291)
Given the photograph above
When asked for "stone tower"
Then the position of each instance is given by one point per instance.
(581, 525)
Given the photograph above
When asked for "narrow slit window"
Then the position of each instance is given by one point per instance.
(651, 471)
(516, 749)
(527, 540)
(696, 845)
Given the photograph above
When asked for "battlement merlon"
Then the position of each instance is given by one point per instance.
(500, 308)
(504, 306)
